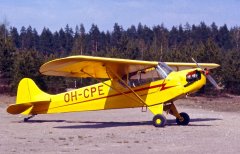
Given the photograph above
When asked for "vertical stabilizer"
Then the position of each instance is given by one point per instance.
(28, 92)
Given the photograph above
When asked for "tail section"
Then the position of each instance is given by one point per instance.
(28, 97)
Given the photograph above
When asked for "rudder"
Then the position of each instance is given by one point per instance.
(28, 92)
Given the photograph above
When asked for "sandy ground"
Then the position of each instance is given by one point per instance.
(212, 130)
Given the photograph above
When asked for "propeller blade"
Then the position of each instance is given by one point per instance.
(196, 63)
(209, 77)
(213, 82)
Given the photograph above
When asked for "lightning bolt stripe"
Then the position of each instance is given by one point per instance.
(162, 86)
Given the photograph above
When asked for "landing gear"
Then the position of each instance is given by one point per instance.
(159, 120)
(26, 119)
(183, 119)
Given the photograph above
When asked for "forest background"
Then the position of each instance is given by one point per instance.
(23, 51)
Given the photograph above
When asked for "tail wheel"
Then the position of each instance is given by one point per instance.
(184, 120)
(159, 120)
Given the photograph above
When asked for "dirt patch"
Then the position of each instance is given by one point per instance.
(225, 103)
(5, 100)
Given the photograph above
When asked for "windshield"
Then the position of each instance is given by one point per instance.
(163, 69)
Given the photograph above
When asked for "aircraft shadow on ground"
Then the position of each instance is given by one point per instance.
(93, 124)
(193, 122)
(41, 121)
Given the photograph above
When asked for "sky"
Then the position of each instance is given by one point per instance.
(56, 14)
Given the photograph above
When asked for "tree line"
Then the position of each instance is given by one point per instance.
(23, 51)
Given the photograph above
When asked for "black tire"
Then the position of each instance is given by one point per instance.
(186, 119)
(159, 120)
(25, 119)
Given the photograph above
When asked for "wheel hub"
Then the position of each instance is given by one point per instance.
(158, 121)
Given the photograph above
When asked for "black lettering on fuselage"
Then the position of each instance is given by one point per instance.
(67, 97)
(74, 95)
(93, 90)
(86, 94)
(100, 90)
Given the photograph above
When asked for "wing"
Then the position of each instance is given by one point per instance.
(100, 67)
(182, 66)
(97, 67)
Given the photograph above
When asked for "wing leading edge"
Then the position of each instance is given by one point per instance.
(177, 66)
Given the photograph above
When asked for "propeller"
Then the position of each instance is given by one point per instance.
(209, 77)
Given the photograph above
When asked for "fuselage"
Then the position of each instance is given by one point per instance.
(112, 94)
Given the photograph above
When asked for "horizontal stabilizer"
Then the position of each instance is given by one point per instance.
(19, 108)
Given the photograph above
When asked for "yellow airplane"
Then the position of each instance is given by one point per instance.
(130, 84)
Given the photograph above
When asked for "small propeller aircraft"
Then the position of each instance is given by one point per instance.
(130, 84)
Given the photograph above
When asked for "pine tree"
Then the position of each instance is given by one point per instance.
(62, 41)
(23, 34)
(79, 45)
(94, 34)
(15, 37)
(224, 38)
(56, 44)
(231, 71)
(46, 41)
(7, 52)
(29, 39)
(36, 42)
(69, 39)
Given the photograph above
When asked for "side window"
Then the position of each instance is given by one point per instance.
(144, 77)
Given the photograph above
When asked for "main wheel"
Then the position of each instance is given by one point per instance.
(185, 120)
(25, 119)
(159, 120)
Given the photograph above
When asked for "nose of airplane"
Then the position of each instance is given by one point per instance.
(194, 80)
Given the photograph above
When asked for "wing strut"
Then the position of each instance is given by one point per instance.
(141, 100)
(113, 88)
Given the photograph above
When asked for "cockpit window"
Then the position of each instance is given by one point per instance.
(149, 75)
(143, 77)
(163, 69)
